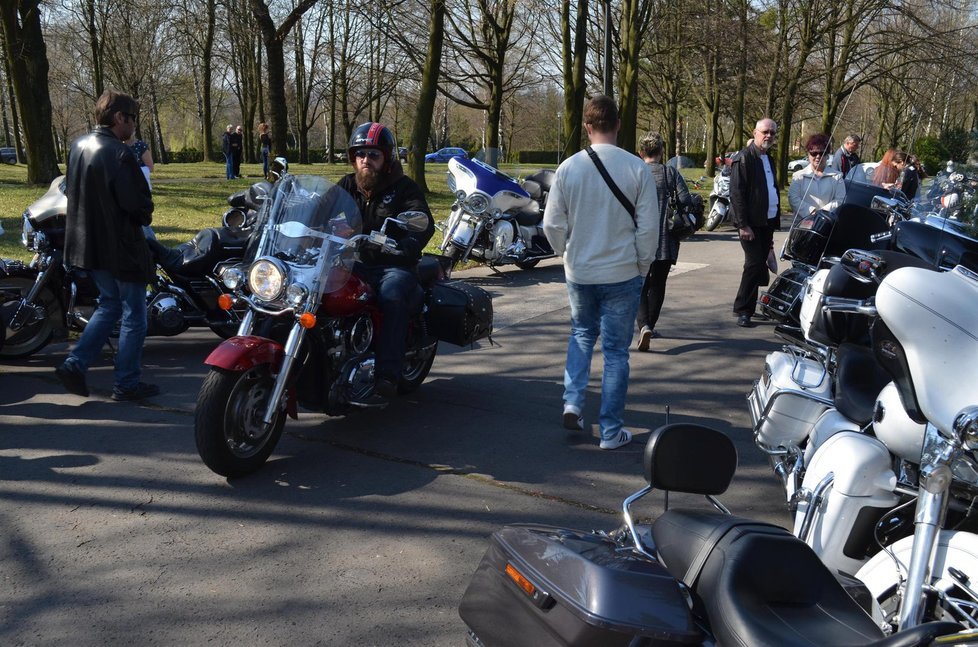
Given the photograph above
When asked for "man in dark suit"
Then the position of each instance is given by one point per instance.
(756, 213)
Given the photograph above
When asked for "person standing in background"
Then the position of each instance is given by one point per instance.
(756, 213)
(847, 157)
(226, 147)
(237, 149)
(265, 146)
(143, 157)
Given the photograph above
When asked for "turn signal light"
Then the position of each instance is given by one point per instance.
(307, 320)
(521, 581)
(225, 302)
(539, 598)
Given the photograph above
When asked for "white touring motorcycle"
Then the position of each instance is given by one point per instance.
(884, 487)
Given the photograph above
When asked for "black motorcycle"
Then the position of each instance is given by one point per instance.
(692, 577)
(42, 299)
(872, 218)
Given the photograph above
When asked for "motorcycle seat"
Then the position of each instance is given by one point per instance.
(199, 255)
(530, 216)
(759, 584)
(541, 181)
(859, 378)
(429, 270)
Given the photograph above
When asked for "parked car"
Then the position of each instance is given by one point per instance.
(797, 165)
(402, 153)
(445, 154)
(8, 155)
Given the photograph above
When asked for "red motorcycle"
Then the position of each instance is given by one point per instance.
(317, 322)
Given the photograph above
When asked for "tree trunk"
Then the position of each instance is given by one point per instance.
(574, 55)
(27, 54)
(428, 94)
(207, 122)
(273, 40)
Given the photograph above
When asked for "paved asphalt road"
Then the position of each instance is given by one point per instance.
(360, 530)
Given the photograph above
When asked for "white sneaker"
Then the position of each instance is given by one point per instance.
(573, 419)
(623, 438)
(644, 339)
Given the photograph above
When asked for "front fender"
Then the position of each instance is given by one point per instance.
(241, 353)
(955, 549)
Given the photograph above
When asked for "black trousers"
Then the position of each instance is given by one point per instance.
(653, 294)
(755, 270)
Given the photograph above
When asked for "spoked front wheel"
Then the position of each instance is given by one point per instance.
(28, 329)
(231, 438)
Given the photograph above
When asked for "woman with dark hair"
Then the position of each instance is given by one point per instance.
(817, 187)
(668, 181)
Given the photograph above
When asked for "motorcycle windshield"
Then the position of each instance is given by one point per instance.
(306, 223)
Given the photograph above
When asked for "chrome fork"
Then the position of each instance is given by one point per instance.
(292, 346)
(932, 501)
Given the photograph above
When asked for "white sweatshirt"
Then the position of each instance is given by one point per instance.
(589, 227)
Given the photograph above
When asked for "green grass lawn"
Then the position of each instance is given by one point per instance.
(191, 197)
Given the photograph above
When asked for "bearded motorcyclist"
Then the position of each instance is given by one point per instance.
(381, 190)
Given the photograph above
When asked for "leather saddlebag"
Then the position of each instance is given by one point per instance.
(459, 313)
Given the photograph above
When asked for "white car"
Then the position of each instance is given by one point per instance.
(797, 165)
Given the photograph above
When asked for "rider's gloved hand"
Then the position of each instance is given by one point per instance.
(409, 246)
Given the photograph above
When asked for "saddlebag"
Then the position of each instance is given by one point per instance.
(459, 313)
(549, 587)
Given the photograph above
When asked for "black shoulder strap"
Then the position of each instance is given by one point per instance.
(611, 185)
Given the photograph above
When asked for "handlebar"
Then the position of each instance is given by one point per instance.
(851, 306)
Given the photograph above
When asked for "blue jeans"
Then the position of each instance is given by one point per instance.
(117, 300)
(608, 309)
(399, 295)
(228, 166)
(264, 161)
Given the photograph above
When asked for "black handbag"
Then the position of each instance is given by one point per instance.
(683, 220)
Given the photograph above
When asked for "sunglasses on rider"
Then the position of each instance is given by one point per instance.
(816, 153)
(368, 153)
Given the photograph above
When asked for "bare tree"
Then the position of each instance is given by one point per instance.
(574, 49)
(274, 40)
(196, 23)
(491, 60)
(28, 71)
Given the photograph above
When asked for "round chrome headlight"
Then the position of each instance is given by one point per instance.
(476, 203)
(266, 279)
(233, 278)
(296, 294)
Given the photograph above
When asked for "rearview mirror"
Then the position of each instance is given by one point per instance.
(413, 220)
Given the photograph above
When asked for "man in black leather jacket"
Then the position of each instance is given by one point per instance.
(381, 191)
(108, 204)
(755, 209)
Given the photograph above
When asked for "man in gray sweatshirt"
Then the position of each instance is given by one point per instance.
(608, 243)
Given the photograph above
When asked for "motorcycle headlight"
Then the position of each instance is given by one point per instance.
(266, 279)
(451, 183)
(476, 203)
(296, 294)
(233, 278)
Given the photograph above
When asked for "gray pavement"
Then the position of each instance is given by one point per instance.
(361, 530)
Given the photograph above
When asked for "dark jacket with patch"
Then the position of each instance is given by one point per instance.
(398, 195)
(108, 204)
(748, 190)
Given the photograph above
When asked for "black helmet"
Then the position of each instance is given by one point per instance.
(373, 135)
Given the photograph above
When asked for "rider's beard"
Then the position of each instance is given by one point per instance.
(368, 179)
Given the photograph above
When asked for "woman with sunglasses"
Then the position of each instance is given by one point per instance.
(817, 187)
